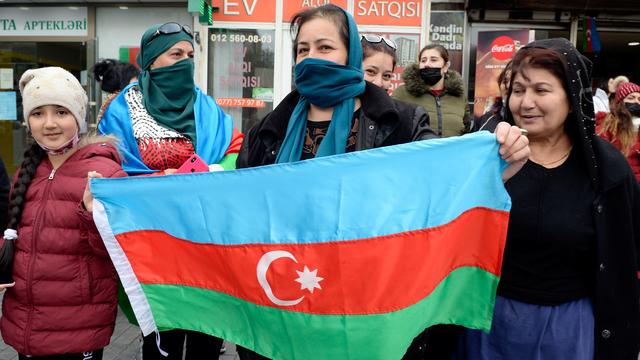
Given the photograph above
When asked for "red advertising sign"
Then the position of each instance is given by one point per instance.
(503, 48)
(245, 10)
(292, 7)
(388, 12)
(494, 50)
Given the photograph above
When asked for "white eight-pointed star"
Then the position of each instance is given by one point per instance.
(309, 279)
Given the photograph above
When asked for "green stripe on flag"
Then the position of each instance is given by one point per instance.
(123, 54)
(465, 297)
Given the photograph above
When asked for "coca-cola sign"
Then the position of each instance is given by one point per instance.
(503, 48)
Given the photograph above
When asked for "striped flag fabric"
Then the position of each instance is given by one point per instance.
(342, 257)
(128, 55)
(591, 38)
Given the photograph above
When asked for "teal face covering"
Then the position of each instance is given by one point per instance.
(317, 78)
(168, 95)
(326, 84)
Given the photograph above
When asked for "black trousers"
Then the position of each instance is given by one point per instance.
(199, 346)
(87, 355)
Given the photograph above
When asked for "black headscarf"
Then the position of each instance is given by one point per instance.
(578, 85)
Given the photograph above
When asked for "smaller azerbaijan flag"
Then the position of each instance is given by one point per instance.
(128, 55)
(341, 257)
(591, 38)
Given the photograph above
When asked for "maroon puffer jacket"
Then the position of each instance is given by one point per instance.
(65, 296)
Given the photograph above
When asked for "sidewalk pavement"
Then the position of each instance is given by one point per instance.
(126, 344)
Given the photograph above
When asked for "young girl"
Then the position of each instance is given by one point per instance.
(63, 300)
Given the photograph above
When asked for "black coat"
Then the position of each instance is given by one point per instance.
(383, 121)
(616, 211)
(4, 196)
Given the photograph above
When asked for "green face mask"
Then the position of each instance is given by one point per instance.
(168, 95)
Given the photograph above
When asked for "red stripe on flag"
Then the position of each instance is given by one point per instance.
(366, 276)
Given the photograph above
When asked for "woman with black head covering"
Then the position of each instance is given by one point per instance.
(569, 286)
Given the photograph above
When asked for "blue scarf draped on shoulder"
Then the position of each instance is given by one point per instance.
(326, 84)
(213, 130)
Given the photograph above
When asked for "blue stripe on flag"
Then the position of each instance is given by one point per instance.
(350, 196)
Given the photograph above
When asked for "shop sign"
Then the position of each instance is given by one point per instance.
(388, 12)
(292, 7)
(494, 50)
(241, 63)
(447, 29)
(246, 10)
(43, 21)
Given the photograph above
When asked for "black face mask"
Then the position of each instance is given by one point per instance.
(633, 108)
(430, 75)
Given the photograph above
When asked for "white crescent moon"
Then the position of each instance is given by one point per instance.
(261, 271)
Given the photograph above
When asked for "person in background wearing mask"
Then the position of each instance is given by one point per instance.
(491, 118)
(161, 121)
(613, 84)
(61, 299)
(379, 61)
(432, 85)
(621, 126)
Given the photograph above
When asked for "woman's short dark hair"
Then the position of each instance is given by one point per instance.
(540, 58)
(551, 61)
(444, 53)
(113, 74)
(330, 12)
(369, 49)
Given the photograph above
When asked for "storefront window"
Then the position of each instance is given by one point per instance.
(241, 65)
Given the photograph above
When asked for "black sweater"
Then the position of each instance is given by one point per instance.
(550, 253)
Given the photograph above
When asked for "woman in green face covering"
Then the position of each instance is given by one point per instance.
(165, 118)
(161, 121)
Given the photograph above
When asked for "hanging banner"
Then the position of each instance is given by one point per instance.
(246, 10)
(43, 21)
(292, 7)
(388, 12)
(447, 29)
(494, 50)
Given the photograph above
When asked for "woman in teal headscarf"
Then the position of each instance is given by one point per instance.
(333, 110)
(164, 118)
(161, 121)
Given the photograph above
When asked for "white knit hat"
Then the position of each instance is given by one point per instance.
(53, 86)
